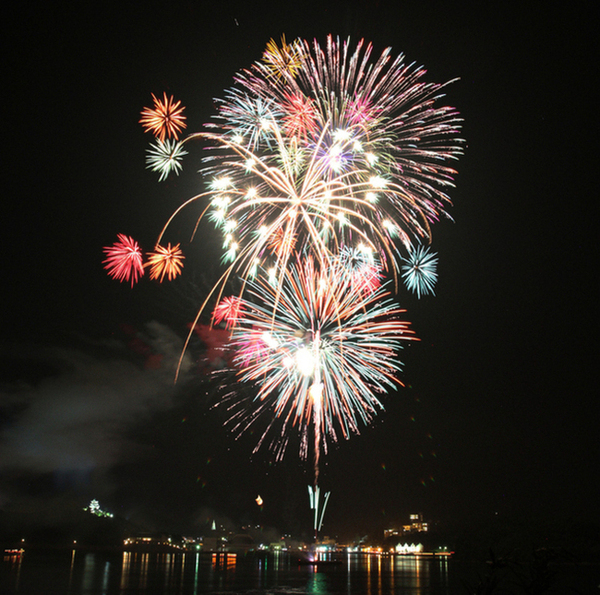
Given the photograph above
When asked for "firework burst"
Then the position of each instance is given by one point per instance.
(228, 310)
(335, 150)
(420, 271)
(165, 119)
(165, 261)
(324, 165)
(165, 157)
(319, 352)
(124, 260)
(282, 60)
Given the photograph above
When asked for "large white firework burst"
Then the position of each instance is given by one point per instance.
(320, 350)
(335, 148)
(314, 149)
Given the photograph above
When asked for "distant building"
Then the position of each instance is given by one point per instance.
(94, 508)
(213, 544)
(409, 549)
(151, 541)
(416, 525)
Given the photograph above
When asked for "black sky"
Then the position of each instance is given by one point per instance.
(499, 414)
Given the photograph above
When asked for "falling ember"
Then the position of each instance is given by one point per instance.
(124, 260)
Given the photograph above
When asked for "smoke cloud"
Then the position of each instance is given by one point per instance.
(66, 412)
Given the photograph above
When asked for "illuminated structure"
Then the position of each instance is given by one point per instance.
(409, 549)
(94, 508)
(416, 524)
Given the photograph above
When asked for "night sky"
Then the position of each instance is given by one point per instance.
(498, 416)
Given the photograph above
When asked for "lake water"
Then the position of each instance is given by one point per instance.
(95, 573)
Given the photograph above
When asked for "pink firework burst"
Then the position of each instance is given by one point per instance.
(252, 349)
(124, 260)
(367, 278)
(228, 310)
(361, 112)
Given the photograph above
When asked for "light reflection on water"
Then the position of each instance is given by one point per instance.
(96, 573)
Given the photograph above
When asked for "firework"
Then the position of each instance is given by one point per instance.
(319, 352)
(228, 311)
(166, 119)
(124, 259)
(165, 261)
(165, 157)
(324, 166)
(419, 271)
(282, 59)
(362, 266)
(316, 149)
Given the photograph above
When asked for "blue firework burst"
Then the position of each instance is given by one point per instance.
(420, 271)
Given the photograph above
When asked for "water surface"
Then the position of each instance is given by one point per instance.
(100, 573)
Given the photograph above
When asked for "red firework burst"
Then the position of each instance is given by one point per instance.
(228, 310)
(300, 119)
(124, 259)
(166, 119)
